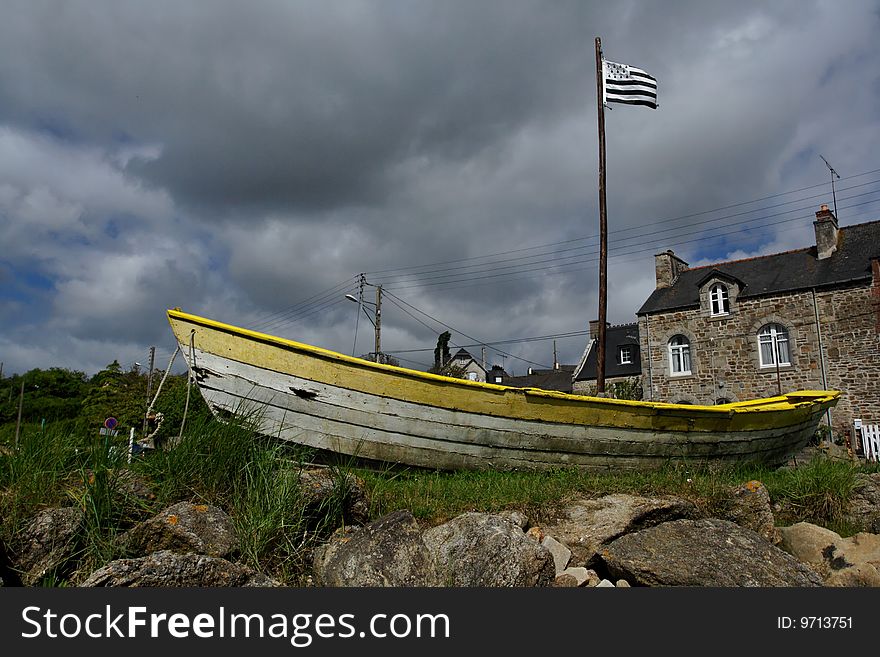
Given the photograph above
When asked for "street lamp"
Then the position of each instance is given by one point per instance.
(377, 324)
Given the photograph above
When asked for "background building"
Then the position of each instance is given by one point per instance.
(803, 319)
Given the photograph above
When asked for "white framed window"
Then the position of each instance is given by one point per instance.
(719, 300)
(773, 346)
(679, 356)
(624, 354)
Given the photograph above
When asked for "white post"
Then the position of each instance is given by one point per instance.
(130, 444)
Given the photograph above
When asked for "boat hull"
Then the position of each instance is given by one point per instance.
(329, 401)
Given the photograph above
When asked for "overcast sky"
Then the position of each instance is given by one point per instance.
(246, 161)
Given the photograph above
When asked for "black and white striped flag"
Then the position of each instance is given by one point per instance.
(628, 84)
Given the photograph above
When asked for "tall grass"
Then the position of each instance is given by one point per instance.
(818, 492)
(258, 482)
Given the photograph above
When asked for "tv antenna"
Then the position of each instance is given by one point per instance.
(833, 173)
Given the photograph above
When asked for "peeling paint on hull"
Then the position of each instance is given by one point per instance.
(327, 400)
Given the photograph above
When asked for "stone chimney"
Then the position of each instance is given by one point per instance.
(594, 328)
(667, 267)
(826, 232)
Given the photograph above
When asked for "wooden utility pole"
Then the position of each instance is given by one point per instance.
(378, 320)
(603, 228)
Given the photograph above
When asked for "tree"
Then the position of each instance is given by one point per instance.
(441, 352)
(51, 395)
(114, 393)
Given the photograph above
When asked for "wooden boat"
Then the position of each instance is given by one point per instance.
(347, 405)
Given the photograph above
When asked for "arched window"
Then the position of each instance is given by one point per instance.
(679, 356)
(719, 300)
(721, 401)
(773, 346)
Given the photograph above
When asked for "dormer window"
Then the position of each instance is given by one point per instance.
(624, 355)
(719, 300)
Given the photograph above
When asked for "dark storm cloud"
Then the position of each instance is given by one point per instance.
(237, 158)
(305, 105)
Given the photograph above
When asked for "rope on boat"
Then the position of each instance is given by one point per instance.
(192, 365)
(159, 416)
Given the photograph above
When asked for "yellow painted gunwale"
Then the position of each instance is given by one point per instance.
(261, 349)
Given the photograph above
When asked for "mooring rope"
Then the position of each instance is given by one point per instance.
(159, 416)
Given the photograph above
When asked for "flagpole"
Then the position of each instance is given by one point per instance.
(603, 228)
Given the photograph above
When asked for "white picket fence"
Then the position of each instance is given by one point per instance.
(871, 441)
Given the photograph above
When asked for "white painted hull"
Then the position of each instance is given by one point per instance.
(353, 407)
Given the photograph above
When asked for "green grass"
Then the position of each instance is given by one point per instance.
(256, 481)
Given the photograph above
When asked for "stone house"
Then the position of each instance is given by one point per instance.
(622, 357)
(803, 319)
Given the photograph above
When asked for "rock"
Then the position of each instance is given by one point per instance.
(864, 505)
(561, 554)
(184, 527)
(584, 526)
(479, 549)
(622, 584)
(325, 487)
(593, 578)
(565, 580)
(518, 518)
(707, 552)
(48, 544)
(132, 484)
(171, 569)
(387, 552)
(749, 507)
(853, 561)
(581, 575)
(535, 534)
(604, 584)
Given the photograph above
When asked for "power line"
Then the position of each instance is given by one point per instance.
(290, 311)
(689, 227)
(660, 221)
(480, 342)
(587, 257)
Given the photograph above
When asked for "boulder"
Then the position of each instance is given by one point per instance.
(184, 527)
(323, 488)
(584, 525)
(749, 506)
(48, 544)
(708, 552)
(387, 552)
(480, 549)
(864, 504)
(853, 561)
(561, 554)
(518, 518)
(172, 569)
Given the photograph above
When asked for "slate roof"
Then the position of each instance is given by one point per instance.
(781, 272)
(615, 336)
(559, 380)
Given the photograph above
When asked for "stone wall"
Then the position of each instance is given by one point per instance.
(724, 351)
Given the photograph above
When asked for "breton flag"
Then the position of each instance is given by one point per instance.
(628, 84)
